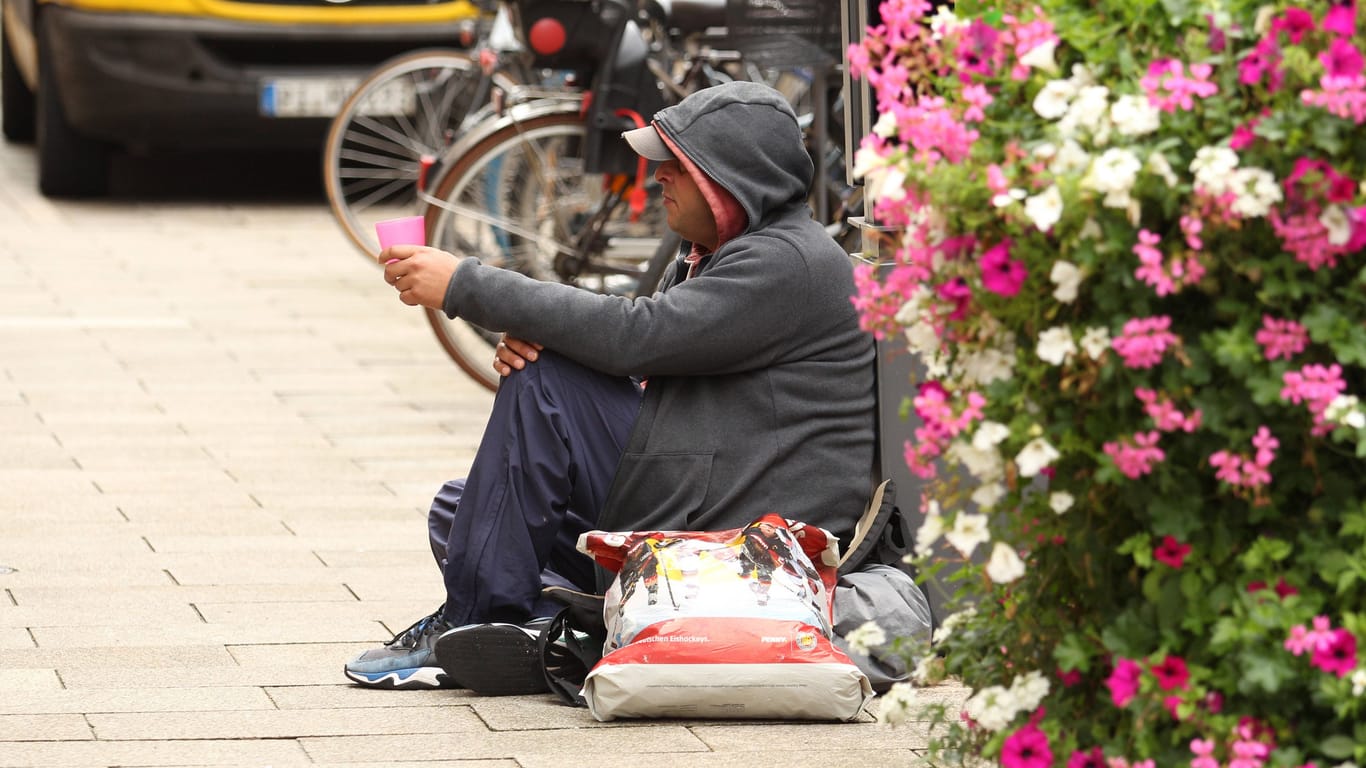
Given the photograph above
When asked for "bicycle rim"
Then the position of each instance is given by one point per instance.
(521, 200)
(412, 106)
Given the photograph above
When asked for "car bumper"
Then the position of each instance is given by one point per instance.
(155, 81)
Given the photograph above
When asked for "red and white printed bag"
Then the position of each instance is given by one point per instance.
(722, 624)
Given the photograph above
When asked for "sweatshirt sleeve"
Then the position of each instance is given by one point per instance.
(736, 315)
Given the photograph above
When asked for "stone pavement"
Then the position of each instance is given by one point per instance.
(219, 433)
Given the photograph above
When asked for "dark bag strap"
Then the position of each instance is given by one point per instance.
(882, 535)
(571, 643)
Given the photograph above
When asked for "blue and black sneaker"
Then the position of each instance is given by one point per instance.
(407, 662)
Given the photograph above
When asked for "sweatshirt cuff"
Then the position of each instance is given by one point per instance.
(451, 303)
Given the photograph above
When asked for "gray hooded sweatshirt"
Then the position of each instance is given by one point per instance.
(760, 396)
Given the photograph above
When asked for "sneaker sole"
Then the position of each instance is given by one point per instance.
(420, 678)
(492, 660)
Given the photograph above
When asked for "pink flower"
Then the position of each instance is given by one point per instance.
(1143, 341)
(1123, 681)
(1281, 338)
(1026, 748)
(1172, 673)
(1087, 758)
(1165, 416)
(1169, 89)
(1001, 274)
(1173, 553)
(959, 294)
(1298, 641)
(1135, 456)
(1316, 386)
(1339, 656)
(1203, 749)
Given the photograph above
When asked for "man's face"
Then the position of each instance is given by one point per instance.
(686, 209)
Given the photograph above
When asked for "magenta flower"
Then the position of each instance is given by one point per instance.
(1172, 673)
(1123, 681)
(1087, 758)
(959, 294)
(1340, 655)
(1143, 341)
(1173, 553)
(1341, 60)
(1026, 748)
(1001, 274)
(1341, 20)
(1295, 22)
(1281, 338)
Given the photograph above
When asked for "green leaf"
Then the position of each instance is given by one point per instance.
(1262, 673)
(1071, 654)
(1337, 747)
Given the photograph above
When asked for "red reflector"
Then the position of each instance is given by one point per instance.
(546, 36)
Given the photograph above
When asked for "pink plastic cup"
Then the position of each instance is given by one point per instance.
(408, 230)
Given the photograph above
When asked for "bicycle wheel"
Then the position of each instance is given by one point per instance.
(413, 105)
(521, 200)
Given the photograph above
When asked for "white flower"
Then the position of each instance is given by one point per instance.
(1114, 174)
(922, 338)
(1055, 345)
(1060, 501)
(989, 434)
(1045, 208)
(986, 495)
(1157, 163)
(984, 464)
(865, 637)
(897, 705)
(1029, 690)
(1070, 158)
(1345, 410)
(1090, 231)
(1213, 166)
(986, 365)
(1052, 100)
(866, 160)
(1041, 57)
(930, 530)
(1358, 681)
(1338, 225)
(952, 622)
(1067, 276)
(1095, 341)
(1255, 191)
(992, 707)
(886, 126)
(944, 21)
(969, 530)
(1008, 197)
(1134, 116)
(923, 669)
(1036, 455)
(1004, 566)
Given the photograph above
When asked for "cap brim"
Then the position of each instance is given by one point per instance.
(647, 143)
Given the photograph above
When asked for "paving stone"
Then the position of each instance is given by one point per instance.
(144, 657)
(199, 677)
(289, 724)
(830, 757)
(83, 754)
(18, 682)
(799, 737)
(83, 599)
(43, 728)
(200, 633)
(344, 695)
(137, 700)
(584, 743)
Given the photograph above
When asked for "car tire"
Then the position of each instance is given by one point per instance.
(69, 163)
(16, 100)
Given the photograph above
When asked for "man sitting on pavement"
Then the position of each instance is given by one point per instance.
(760, 394)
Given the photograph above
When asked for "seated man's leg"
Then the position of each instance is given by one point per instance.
(553, 414)
(539, 479)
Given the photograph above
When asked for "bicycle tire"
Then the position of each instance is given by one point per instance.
(372, 162)
(519, 199)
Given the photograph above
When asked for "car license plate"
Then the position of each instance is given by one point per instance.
(323, 97)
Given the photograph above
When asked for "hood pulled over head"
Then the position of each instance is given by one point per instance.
(745, 137)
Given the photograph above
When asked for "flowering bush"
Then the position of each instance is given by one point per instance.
(1129, 257)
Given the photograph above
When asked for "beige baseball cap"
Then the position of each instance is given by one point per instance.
(648, 144)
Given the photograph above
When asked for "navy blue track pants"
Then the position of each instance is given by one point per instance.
(539, 479)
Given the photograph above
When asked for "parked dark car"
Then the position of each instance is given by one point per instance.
(80, 77)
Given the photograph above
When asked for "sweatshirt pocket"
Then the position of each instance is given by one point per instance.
(657, 491)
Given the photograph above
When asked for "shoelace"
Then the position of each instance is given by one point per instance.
(408, 637)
